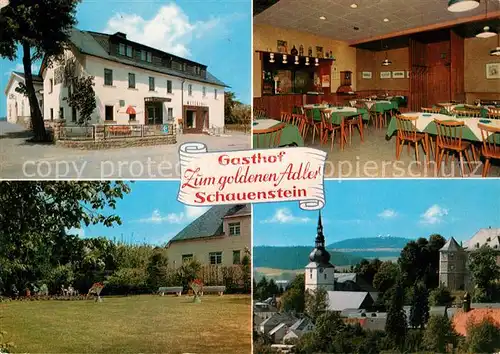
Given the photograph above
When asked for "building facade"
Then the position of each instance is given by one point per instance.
(221, 236)
(18, 105)
(453, 258)
(133, 84)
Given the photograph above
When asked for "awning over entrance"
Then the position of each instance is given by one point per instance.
(157, 99)
(131, 110)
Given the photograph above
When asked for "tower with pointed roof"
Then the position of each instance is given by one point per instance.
(319, 273)
(452, 265)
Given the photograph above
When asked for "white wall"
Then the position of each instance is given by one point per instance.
(111, 95)
(18, 105)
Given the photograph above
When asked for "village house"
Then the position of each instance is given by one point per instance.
(453, 270)
(220, 236)
(134, 84)
(18, 105)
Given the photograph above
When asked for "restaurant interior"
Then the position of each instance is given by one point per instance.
(363, 78)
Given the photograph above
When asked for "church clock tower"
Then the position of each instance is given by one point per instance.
(319, 273)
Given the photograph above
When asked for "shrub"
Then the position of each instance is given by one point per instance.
(441, 296)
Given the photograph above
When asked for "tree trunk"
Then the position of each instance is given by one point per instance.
(36, 114)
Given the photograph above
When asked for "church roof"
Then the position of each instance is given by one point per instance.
(451, 245)
(319, 254)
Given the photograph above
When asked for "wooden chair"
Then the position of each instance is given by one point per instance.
(431, 110)
(311, 123)
(449, 139)
(285, 117)
(355, 121)
(407, 132)
(327, 127)
(375, 117)
(468, 113)
(491, 145)
(494, 113)
(269, 138)
(296, 119)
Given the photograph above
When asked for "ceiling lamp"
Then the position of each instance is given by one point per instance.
(462, 5)
(386, 61)
(486, 33)
(496, 51)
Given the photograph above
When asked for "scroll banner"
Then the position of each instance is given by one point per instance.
(251, 176)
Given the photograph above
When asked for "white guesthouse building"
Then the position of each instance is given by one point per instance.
(134, 84)
(18, 105)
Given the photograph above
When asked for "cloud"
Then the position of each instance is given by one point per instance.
(434, 215)
(285, 216)
(388, 214)
(169, 29)
(187, 215)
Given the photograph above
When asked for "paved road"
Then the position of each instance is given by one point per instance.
(22, 160)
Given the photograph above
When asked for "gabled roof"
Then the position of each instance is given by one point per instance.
(277, 328)
(36, 79)
(209, 224)
(97, 45)
(341, 300)
(301, 324)
(489, 236)
(451, 246)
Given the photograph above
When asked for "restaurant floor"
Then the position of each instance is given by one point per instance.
(376, 158)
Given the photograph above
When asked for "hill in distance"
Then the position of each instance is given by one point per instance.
(371, 243)
(295, 257)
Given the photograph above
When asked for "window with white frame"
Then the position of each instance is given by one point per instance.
(234, 229)
(121, 49)
(129, 51)
(215, 93)
(108, 77)
(187, 258)
(237, 257)
(169, 86)
(204, 91)
(170, 114)
(190, 90)
(215, 257)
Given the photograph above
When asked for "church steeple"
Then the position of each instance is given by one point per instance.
(320, 238)
(320, 254)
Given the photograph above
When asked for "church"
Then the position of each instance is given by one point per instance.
(320, 273)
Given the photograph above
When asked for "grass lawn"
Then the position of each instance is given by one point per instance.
(135, 324)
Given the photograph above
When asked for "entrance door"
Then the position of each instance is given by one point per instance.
(195, 119)
(154, 113)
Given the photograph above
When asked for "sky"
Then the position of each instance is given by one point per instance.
(371, 208)
(150, 213)
(214, 33)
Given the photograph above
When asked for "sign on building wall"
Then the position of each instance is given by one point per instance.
(196, 104)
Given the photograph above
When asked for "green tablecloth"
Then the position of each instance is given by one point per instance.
(337, 116)
(484, 110)
(289, 136)
(470, 131)
(381, 107)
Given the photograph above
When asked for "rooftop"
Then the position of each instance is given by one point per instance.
(210, 223)
(98, 45)
(462, 319)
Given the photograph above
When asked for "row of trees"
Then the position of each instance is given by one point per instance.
(236, 112)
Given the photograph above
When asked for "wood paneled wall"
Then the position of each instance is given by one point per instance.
(457, 53)
(418, 75)
(438, 73)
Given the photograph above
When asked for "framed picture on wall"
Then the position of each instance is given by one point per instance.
(385, 74)
(325, 80)
(398, 74)
(366, 75)
(281, 46)
(493, 71)
(407, 74)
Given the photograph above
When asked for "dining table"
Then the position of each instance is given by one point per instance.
(425, 124)
(290, 136)
(449, 108)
